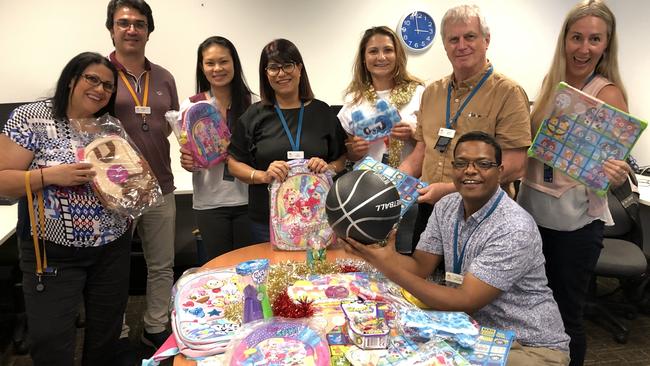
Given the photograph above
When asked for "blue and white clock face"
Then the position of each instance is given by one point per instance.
(417, 30)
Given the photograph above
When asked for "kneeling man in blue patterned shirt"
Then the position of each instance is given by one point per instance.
(492, 252)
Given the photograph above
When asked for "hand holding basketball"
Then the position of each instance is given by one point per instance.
(187, 161)
(375, 255)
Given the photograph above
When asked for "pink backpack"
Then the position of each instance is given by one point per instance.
(298, 209)
(207, 134)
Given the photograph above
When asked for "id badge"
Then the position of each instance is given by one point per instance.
(142, 110)
(445, 135)
(226, 174)
(548, 174)
(454, 278)
(293, 155)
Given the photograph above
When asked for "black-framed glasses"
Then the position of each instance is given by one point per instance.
(477, 164)
(93, 80)
(274, 69)
(138, 25)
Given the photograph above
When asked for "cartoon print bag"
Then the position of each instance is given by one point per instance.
(298, 209)
(205, 133)
(198, 314)
(378, 124)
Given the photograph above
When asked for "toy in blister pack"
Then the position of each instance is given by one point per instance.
(581, 133)
(198, 315)
(298, 209)
(376, 125)
(204, 132)
(256, 300)
(124, 182)
(407, 186)
(280, 342)
(366, 327)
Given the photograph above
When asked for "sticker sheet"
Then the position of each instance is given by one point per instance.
(406, 185)
(581, 133)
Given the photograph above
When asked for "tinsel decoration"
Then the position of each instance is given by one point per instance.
(233, 312)
(348, 268)
(283, 306)
(285, 274)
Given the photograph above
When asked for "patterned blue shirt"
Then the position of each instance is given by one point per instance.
(503, 250)
(74, 216)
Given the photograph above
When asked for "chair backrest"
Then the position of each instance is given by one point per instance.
(623, 225)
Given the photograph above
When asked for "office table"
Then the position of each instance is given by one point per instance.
(263, 250)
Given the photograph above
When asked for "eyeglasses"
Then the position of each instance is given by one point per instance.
(138, 25)
(93, 80)
(274, 69)
(477, 164)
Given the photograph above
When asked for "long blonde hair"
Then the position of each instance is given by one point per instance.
(361, 77)
(607, 66)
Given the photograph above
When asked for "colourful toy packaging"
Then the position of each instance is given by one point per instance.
(365, 327)
(406, 185)
(298, 209)
(199, 302)
(377, 125)
(581, 133)
(279, 342)
(256, 300)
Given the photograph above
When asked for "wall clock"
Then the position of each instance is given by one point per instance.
(417, 30)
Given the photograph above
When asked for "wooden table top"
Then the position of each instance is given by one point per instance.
(263, 250)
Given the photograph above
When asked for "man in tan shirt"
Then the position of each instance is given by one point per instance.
(472, 98)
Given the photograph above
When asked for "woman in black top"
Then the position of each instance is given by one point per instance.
(261, 145)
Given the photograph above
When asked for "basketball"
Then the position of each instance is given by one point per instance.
(363, 205)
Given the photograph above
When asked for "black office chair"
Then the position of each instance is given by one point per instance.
(624, 260)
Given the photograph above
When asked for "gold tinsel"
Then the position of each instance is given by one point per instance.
(399, 97)
(233, 312)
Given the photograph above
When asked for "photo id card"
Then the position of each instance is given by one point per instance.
(454, 278)
(142, 110)
(293, 155)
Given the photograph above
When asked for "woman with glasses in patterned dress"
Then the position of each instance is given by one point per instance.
(80, 250)
(288, 123)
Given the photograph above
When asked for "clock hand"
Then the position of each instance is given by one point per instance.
(417, 29)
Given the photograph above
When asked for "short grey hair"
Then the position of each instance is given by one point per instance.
(463, 14)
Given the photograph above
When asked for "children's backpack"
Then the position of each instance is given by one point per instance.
(198, 315)
(205, 133)
(297, 205)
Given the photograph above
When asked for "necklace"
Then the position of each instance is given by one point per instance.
(399, 96)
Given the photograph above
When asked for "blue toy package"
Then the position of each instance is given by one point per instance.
(491, 349)
(422, 326)
(407, 186)
(377, 125)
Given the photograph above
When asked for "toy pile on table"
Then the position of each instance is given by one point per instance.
(344, 317)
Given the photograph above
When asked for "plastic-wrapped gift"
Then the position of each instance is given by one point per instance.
(124, 182)
(256, 300)
(365, 327)
(279, 341)
(202, 130)
(376, 125)
(298, 209)
(423, 326)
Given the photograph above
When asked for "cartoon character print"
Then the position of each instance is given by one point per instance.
(562, 101)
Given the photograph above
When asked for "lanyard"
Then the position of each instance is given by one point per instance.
(32, 218)
(458, 261)
(451, 122)
(295, 145)
(589, 79)
(145, 97)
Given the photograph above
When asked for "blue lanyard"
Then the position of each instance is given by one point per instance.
(458, 261)
(295, 145)
(451, 122)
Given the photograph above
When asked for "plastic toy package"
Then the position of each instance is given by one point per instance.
(298, 219)
(124, 181)
(256, 300)
(366, 326)
(377, 125)
(407, 186)
(422, 326)
(278, 342)
(199, 300)
(202, 130)
(582, 132)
